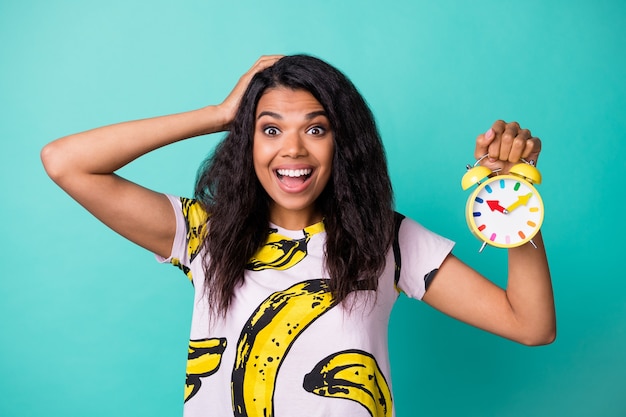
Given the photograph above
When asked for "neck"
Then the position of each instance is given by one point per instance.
(294, 219)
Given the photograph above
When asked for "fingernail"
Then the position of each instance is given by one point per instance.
(489, 134)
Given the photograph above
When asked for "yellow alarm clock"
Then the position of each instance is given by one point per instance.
(506, 210)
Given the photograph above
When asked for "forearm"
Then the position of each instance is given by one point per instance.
(529, 292)
(106, 149)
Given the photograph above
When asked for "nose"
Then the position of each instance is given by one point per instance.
(293, 145)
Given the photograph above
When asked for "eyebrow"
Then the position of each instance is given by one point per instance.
(307, 116)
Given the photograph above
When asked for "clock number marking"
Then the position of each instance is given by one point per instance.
(516, 187)
(521, 234)
(492, 237)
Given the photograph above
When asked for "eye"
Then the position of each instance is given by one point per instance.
(317, 131)
(271, 131)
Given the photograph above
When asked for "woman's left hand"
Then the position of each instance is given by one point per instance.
(505, 144)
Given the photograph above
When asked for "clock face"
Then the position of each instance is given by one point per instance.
(505, 211)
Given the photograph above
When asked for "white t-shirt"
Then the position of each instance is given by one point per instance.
(285, 348)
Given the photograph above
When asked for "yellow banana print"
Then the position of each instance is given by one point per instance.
(353, 375)
(196, 220)
(176, 262)
(204, 360)
(281, 252)
(267, 337)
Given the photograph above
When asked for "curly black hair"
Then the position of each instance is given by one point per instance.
(357, 202)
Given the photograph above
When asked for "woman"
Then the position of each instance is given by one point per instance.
(292, 245)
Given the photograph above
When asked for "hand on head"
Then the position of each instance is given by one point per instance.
(230, 105)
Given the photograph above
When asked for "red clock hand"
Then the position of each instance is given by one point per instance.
(495, 205)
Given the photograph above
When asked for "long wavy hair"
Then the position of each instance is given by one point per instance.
(357, 202)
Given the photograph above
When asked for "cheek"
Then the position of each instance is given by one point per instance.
(261, 161)
(259, 169)
(327, 161)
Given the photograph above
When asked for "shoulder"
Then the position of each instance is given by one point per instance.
(192, 221)
(407, 226)
(420, 251)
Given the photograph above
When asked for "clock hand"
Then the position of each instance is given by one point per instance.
(495, 205)
(522, 200)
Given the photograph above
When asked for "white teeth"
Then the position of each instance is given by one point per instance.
(294, 172)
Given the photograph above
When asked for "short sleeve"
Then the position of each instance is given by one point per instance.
(422, 252)
(178, 254)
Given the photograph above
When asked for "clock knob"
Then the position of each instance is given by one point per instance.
(526, 171)
(474, 175)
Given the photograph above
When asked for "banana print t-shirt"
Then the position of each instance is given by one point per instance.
(286, 348)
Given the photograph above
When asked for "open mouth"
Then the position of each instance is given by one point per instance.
(293, 177)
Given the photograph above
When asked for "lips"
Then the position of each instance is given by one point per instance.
(293, 180)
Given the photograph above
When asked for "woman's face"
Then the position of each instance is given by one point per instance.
(292, 153)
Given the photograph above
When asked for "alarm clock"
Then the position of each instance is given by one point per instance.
(504, 210)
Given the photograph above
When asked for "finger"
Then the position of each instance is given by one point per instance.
(265, 61)
(518, 145)
(499, 128)
(484, 141)
(506, 142)
(532, 149)
(262, 63)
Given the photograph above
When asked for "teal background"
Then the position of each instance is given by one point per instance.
(91, 325)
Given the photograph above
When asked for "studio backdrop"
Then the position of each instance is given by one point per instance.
(91, 325)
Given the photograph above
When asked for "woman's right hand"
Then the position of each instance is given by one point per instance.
(230, 105)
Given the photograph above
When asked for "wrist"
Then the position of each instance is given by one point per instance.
(220, 116)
